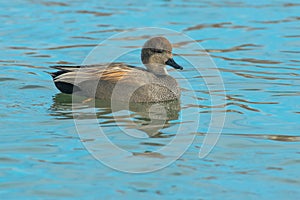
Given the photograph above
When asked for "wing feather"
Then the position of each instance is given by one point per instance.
(112, 73)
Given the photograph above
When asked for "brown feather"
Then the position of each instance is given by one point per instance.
(115, 74)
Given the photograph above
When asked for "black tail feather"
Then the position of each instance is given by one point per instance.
(67, 88)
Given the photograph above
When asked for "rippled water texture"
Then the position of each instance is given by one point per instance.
(256, 47)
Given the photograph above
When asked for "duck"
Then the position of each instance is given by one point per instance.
(124, 82)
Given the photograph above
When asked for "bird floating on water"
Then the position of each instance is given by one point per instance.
(122, 81)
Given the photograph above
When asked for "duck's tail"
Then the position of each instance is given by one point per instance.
(65, 86)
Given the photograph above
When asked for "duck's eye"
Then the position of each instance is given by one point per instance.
(157, 50)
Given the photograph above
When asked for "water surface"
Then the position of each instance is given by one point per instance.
(256, 48)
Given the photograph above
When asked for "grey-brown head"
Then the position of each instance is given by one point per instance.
(156, 54)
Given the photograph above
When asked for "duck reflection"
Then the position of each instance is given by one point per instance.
(149, 118)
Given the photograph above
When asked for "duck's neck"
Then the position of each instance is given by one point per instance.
(157, 69)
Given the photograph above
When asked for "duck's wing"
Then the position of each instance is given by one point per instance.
(116, 72)
(63, 69)
(70, 79)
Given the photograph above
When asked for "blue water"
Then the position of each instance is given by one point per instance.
(254, 44)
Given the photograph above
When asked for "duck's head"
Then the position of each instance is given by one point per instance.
(156, 54)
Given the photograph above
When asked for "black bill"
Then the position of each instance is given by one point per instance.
(172, 63)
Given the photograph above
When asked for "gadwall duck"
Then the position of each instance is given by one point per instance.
(124, 82)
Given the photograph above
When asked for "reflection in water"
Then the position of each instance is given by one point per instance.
(147, 117)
